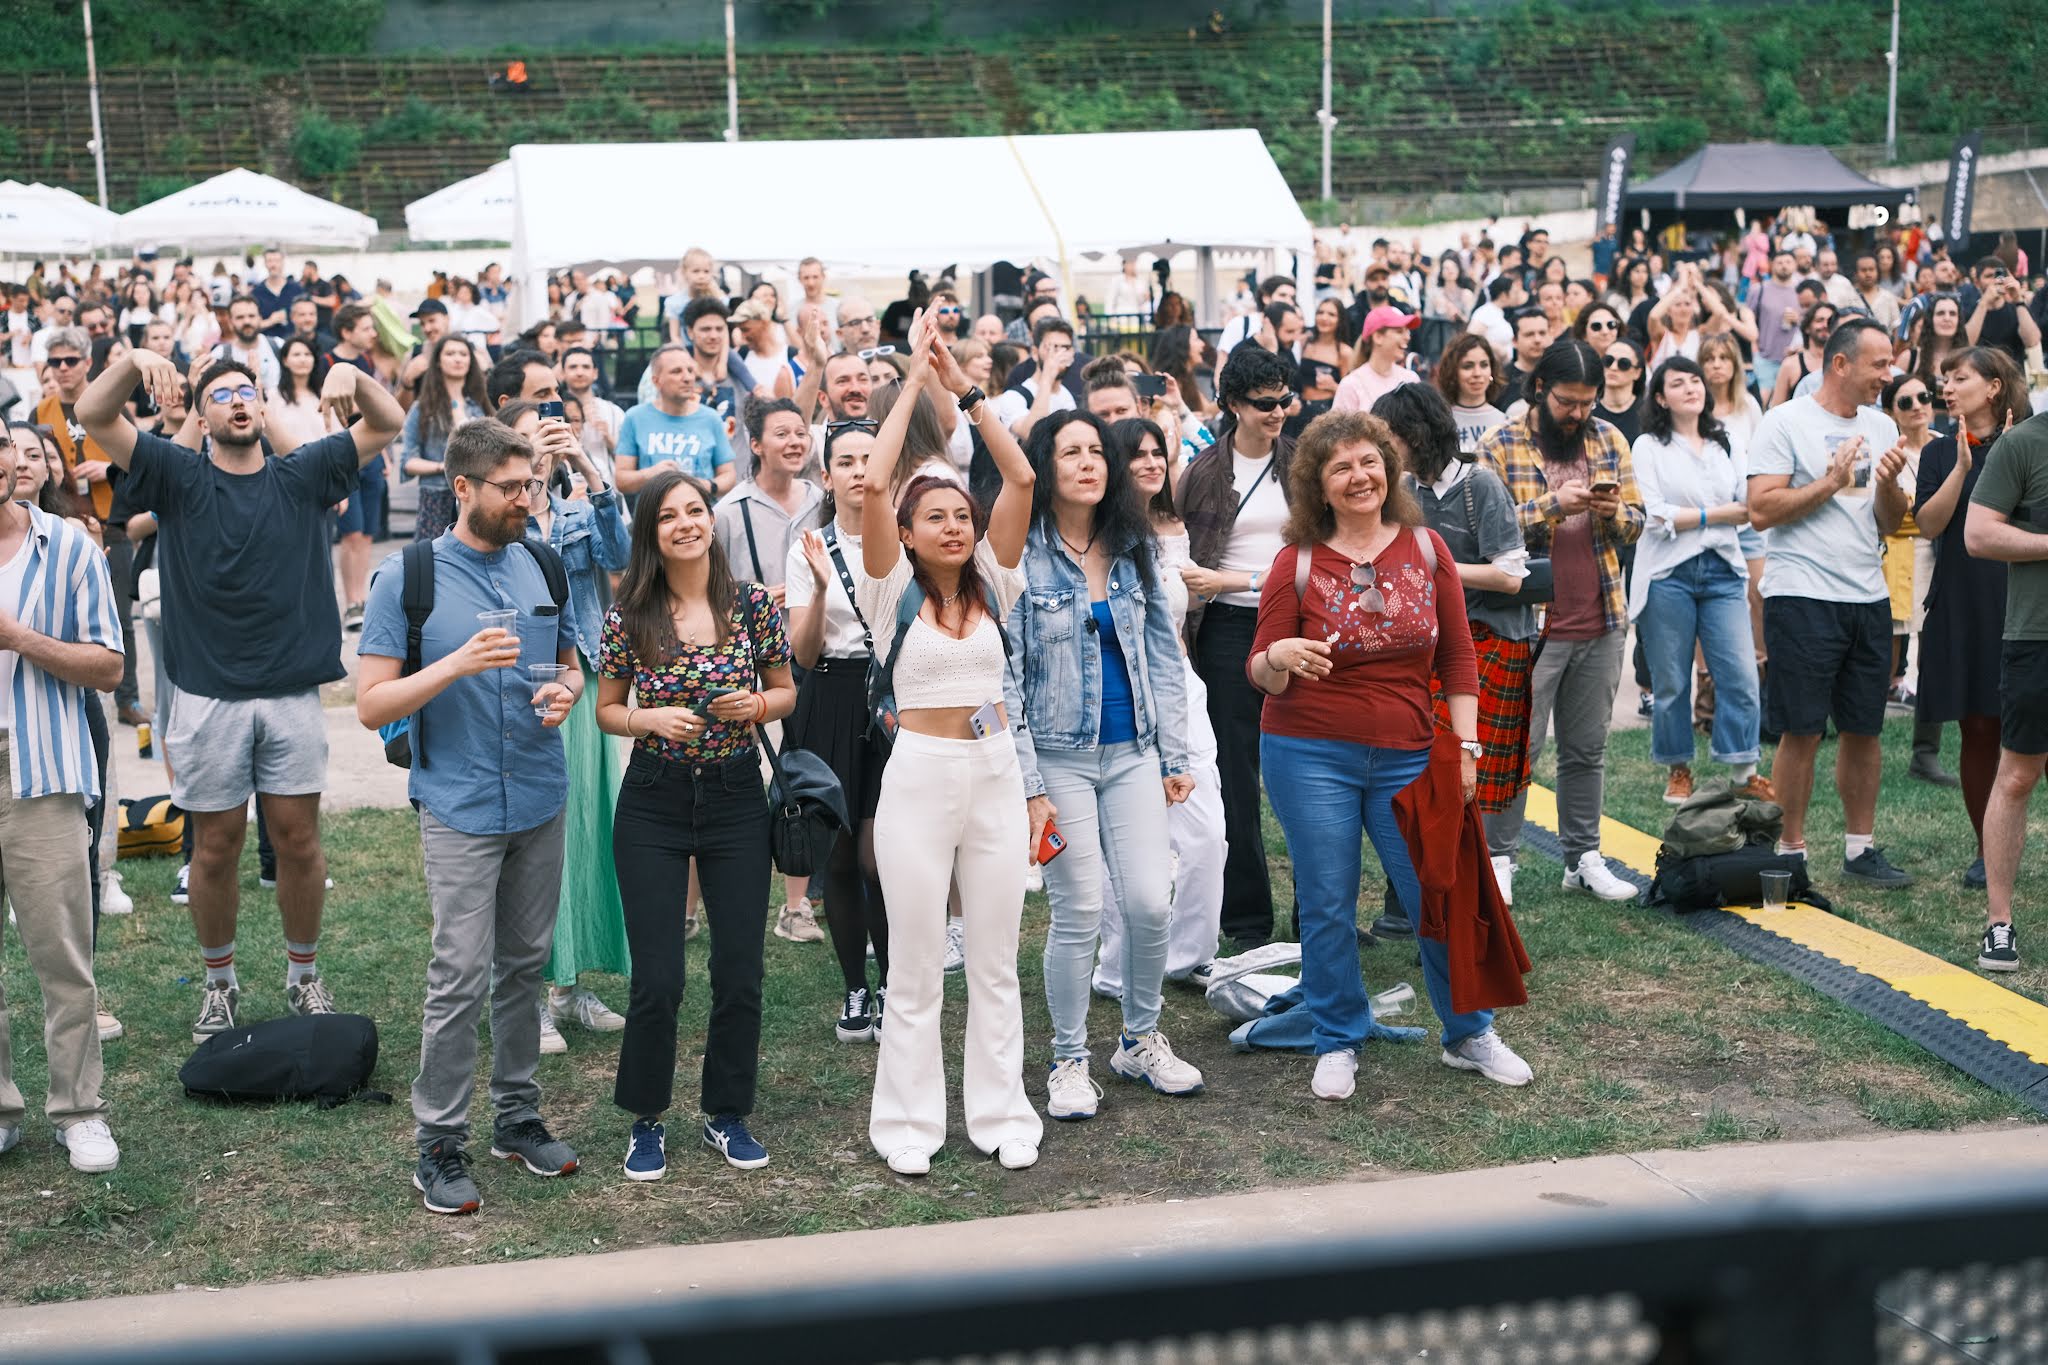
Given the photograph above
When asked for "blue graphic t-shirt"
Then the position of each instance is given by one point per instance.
(696, 440)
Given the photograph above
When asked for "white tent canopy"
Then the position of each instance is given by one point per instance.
(478, 209)
(43, 219)
(239, 207)
(900, 202)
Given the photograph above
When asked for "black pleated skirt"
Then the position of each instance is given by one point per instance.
(831, 721)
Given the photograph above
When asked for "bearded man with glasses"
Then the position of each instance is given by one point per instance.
(251, 631)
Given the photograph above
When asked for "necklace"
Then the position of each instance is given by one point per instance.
(1079, 552)
(947, 600)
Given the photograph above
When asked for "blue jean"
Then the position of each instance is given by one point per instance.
(1112, 813)
(1326, 792)
(1705, 602)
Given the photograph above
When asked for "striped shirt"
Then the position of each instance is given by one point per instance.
(68, 595)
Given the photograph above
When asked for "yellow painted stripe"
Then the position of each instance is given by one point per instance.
(2009, 1018)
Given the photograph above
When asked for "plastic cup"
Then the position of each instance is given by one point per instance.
(499, 618)
(1777, 888)
(541, 675)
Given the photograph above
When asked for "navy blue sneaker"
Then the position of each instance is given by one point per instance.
(728, 1133)
(647, 1151)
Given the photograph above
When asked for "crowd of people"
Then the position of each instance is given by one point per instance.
(1051, 619)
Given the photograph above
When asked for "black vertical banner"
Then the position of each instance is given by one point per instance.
(1961, 194)
(1621, 148)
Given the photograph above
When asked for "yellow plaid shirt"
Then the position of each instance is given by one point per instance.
(1513, 454)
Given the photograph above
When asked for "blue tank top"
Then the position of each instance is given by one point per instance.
(1119, 710)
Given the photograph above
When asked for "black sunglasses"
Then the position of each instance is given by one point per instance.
(1269, 403)
(1620, 362)
(65, 362)
(1608, 326)
(852, 424)
(1905, 402)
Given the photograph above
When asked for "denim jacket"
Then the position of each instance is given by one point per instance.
(1053, 686)
(592, 538)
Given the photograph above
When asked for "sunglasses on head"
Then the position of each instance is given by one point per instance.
(229, 393)
(1620, 362)
(1270, 402)
(852, 424)
(870, 352)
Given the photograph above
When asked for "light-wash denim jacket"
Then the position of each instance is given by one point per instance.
(1053, 686)
(593, 539)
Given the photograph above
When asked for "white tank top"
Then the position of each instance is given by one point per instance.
(936, 670)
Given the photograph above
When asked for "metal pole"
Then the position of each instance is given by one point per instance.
(92, 88)
(1323, 115)
(732, 81)
(1891, 106)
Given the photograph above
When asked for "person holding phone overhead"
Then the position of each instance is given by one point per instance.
(690, 661)
(952, 795)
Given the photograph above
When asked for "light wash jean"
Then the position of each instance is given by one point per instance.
(1111, 804)
(1326, 792)
(1701, 601)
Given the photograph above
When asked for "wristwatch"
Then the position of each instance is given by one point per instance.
(971, 397)
(1472, 747)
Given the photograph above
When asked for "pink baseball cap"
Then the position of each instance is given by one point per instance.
(1386, 315)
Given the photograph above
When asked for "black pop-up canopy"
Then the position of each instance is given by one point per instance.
(1759, 175)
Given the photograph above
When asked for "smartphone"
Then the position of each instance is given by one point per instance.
(1050, 845)
(551, 407)
(1149, 386)
(1607, 486)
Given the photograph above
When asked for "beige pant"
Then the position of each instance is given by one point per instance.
(44, 872)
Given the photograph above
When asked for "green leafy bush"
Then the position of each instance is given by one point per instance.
(322, 148)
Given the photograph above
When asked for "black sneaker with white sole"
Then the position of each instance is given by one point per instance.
(856, 1025)
(2000, 951)
(1872, 868)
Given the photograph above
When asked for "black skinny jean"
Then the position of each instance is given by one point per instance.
(1222, 646)
(669, 813)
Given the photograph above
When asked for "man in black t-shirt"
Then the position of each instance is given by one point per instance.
(1997, 319)
(251, 632)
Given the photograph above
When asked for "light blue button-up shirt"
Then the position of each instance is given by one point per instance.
(491, 767)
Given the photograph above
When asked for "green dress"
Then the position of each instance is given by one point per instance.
(590, 926)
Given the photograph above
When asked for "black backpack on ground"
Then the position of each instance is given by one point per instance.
(323, 1057)
(1710, 881)
(404, 742)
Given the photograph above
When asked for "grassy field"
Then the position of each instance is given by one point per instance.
(1642, 1035)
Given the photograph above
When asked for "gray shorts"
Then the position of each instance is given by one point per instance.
(222, 752)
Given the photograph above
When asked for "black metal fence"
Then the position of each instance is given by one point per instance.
(1871, 1276)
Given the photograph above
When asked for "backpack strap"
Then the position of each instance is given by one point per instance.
(551, 568)
(907, 608)
(833, 548)
(753, 550)
(417, 596)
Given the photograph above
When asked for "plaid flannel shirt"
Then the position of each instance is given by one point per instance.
(1513, 454)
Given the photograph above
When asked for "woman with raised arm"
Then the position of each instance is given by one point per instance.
(1102, 699)
(937, 579)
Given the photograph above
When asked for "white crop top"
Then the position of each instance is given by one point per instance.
(1173, 553)
(934, 670)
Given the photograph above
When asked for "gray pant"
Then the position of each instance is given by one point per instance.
(494, 900)
(1577, 678)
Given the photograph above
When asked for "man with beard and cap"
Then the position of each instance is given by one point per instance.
(251, 632)
(1576, 499)
(490, 782)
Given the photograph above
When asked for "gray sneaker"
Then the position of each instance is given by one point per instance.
(216, 1010)
(1872, 868)
(443, 1178)
(310, 996)
(530, 1144)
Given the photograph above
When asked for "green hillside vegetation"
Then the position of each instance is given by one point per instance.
(1468, 103)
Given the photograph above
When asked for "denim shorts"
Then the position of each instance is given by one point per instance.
(222, 752)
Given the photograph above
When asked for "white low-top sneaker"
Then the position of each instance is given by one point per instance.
(1336, 1075)
(1486, 1054)
(1594, 878)
(1017, 1155)
(583, 1008)
(1149, 1058)
(910, 1161)
(114, 898)
(552, 1043)
(956, 945)
(1070, 1093)
(1504, 875)
(91, 1145)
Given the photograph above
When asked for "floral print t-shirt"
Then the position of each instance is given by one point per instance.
(690, 673)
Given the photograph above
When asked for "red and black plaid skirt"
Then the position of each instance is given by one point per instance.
(1504, 668)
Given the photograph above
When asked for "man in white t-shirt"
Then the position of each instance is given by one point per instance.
(1490, 319)
(1815, 466)
(1272, 289)
(1041, 393)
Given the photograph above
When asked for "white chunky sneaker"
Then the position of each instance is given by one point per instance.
(1486, 1054)
(1149, 1058)
(1336, 1075)
(1070, 1094)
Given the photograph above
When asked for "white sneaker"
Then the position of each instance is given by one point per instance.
(584, 1009)
(1486, 1054)
(1593, 877)
(1017, 1155)
(1149, 1058)
(91, 1146)
(551, 1041)
(1034, 877)
(910, 1161)
(798, 924)
(1336, 1075)
(10, 1136)
(114, 900)
(1504, 874)
(1070, 1094)
(956, 945)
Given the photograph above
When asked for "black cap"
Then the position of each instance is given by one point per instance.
(430, 306)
